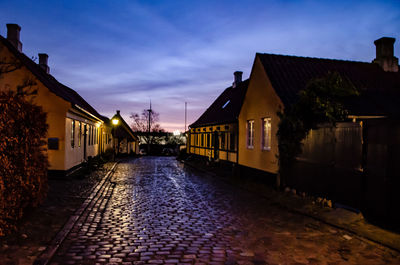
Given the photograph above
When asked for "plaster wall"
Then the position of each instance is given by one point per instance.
(261, 101)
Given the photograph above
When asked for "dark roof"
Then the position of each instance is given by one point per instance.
(216, 114)
(380, 90)
(49, 81)
(105, 119)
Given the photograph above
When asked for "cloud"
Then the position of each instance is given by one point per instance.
(119, 55)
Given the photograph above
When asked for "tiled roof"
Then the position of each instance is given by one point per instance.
(380, 90)
(226, 108)
(49, 81)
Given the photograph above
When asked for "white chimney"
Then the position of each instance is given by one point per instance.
(43, 58)
(385, 55)
(13, 31)
(237, 78)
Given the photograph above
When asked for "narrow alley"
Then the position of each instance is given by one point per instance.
(154, 210)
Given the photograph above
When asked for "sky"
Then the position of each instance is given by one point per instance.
(121, 54)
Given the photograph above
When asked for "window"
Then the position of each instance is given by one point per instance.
(80, 134)
(232, 142)
(72, 133)
(91, 134)
(266, 134)
(223, 141)
(226, 103)
(208, 140)
(88, 134)
(202, 139)
(250, 134)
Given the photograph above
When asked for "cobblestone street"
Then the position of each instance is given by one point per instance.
(156, 211)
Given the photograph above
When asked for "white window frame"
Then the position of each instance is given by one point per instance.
(72, 133)
(250, 134)
(266, 138)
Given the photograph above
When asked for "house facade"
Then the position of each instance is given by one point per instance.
(215, 134)
(76, 130)
(276, 81)
(126, 142)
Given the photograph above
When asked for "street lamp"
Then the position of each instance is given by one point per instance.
(115, 122)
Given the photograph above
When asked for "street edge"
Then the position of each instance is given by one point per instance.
(48, 253)
(316, 217)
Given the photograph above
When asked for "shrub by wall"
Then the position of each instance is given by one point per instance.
(23, 163)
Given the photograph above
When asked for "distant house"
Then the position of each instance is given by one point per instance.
(126, 142)
(76, 130)
(106, 135)
(215, 134)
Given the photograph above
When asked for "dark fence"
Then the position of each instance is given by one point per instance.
(356, 164)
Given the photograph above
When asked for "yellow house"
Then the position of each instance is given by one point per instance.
(75, 127)
(126, 142)
(106, 141)
(276, 80)
(214, 135)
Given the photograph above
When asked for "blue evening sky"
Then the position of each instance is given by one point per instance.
(120, 54)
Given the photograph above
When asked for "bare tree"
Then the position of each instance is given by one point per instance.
(146, 123)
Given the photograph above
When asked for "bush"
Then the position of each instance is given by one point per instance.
(23, 170)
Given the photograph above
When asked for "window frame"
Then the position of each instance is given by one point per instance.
(250, 134)
(266, 131)
(80, 134)
(73, 133)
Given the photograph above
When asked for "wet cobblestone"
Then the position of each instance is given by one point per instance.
(155, 211)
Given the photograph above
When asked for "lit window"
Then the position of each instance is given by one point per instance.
(223, 141)
(250, 134)
(266, 134)
(72, 133)
(80, 134)
(226, 103)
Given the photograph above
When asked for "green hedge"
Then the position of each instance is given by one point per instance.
(23, 163)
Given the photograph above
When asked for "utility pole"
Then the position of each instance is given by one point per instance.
(148, 129)
(185, 116)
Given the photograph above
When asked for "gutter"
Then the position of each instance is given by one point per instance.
(88, 113)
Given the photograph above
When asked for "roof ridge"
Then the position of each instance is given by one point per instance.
(216, 113)
(313, 58)
(49, 80)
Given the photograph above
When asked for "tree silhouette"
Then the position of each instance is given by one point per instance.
(146, 122)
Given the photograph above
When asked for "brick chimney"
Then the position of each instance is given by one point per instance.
(237, 78)
(13, 36)
(385, 55)
(43, 58)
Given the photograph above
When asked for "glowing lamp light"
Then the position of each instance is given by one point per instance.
(115, 121)
(98, 125)
(177, 132)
